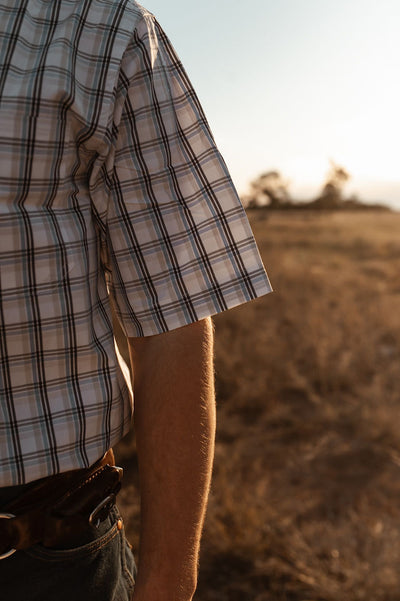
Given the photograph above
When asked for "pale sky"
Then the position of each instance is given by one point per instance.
(290, 84)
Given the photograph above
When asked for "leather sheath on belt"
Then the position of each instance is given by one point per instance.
(61, 505)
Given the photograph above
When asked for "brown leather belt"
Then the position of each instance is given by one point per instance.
(60, 507)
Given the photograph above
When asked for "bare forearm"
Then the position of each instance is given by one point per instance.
(175, 428)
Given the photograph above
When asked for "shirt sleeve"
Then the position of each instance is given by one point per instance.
(179, 246)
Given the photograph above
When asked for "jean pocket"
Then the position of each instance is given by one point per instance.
(96, 540)
(100, 570)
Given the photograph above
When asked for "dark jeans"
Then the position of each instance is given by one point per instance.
(99, 569)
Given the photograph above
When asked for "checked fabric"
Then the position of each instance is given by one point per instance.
(112, 192)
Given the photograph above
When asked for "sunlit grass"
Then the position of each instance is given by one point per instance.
(306, 489)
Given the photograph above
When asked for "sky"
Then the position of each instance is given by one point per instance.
(291, 84)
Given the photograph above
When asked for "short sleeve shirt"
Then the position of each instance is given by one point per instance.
(112, 193)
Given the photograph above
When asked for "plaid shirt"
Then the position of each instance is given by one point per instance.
(112, 192)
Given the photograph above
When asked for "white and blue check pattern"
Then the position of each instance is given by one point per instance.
(111, 192)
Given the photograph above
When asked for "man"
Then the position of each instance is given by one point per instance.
(112, 194)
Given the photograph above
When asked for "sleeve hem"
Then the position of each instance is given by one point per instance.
(174, 319)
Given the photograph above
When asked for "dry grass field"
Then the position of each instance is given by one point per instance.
(305, 502)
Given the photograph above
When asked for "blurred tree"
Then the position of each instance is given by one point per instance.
(332, 191)
(269, 189)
